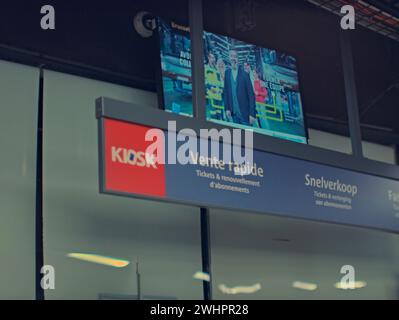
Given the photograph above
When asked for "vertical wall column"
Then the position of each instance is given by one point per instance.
(197, 57)
(351, 93)
(39, 194)
(197, 69)
(206, 252)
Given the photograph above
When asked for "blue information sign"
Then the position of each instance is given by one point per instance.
(271, 183)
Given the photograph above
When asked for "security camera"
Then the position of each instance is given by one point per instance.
(144, 24)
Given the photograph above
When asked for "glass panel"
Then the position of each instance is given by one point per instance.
(270, 257)
(163, 238)
(18, 126)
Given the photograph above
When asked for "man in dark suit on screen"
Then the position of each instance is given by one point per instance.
(238, 94)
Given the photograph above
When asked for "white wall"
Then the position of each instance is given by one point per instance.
(18, 122)
(343, 144)
(379, 152)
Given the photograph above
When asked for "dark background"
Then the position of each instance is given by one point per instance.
(97, 39)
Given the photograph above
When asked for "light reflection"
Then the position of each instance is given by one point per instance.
(94, 258)
(304, 285)
(199, 275)
(350, 285)
(240, 289)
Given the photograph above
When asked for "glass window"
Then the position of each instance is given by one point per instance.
(258, 256)
(95, 241)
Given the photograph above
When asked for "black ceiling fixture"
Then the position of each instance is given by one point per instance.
(389, 6)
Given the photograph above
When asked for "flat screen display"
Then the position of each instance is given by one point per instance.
(247, 86)
(176, 67)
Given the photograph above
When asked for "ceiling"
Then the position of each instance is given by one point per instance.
(381, 16)
(96, 40)
(389, 6)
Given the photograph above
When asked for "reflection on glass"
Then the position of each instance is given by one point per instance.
(304, 285)
(240, 289)
(94, 258)
(199, 275)
(350, 285)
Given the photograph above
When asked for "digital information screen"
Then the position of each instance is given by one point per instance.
(247, 86)
(176, 67)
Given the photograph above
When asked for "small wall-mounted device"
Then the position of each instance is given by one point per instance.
(144, 24)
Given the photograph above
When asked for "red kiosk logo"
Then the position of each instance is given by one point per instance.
(141, 159)
(128, 168)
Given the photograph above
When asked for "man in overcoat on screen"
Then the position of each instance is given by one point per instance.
(238, 93)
